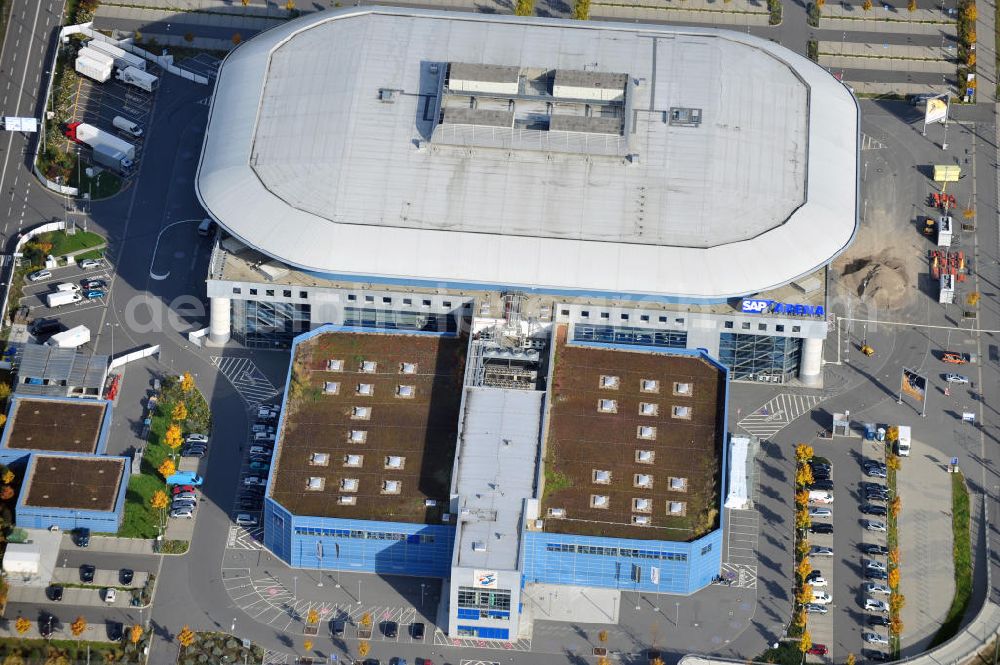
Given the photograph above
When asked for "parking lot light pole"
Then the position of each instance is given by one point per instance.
(359, 591)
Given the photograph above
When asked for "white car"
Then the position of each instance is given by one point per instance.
(956, 378)
(820, 512)
(39, 275)
(816, 550)
(110, 595)
(817, 582)
(874, 587)
(89, 264)
(873, 525)
(872, 564)
(822, 598)
(255, 480)
(874, 638)
(876, 605)
(196, 438)
(245, 519)
(819, 496)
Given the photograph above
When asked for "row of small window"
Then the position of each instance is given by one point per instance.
(464, 613)
(639, 505)
(368, 366)
(493, 599)
(364, 535)
(624, 316)
(645, 409)
(612, 382)
(617, 551)
(745, 325)
(318, 484)
(389, 462)
(639, 480)
(285, 293)
(368, 390)
(387, 300)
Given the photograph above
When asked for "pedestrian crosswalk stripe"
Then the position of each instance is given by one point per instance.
(249, 381)
(777, 413)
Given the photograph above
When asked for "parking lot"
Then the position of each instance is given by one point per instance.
(35, 291)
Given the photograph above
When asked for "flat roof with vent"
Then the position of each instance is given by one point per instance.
(74, 483)
(600, 155)
(633, 472)
(390, 449)
(68, 425)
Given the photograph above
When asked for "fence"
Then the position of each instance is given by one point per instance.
(125, 358)
(7, 270)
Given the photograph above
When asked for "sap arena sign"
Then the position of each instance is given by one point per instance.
(758, 306)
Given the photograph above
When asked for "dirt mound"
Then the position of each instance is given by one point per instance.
(879, 280)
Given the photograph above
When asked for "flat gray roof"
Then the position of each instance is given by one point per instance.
(498, 446)
(465, 71)
(762, 191)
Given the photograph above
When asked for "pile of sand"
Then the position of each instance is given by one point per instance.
(880, 280)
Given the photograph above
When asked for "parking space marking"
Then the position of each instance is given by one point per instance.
(246, 378)
(777, 413)
(241, 538)
(440, 639)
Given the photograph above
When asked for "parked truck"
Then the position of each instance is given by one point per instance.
(944, 231)
(60, 298)
(70, 339)
(946, 294)
(108, 149)
(93, 69)
(138, 78)
(903, 442)
(121, 57)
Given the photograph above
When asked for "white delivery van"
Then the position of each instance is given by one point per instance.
(67, 286)
(903, 442)
(127, 125)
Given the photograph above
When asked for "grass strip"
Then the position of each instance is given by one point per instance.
(962, 554)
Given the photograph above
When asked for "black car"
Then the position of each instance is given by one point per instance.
(390, 629)
(55, 592)
(876, 496)
(82, 537)
(125, 576)
(47, 625)
(337, 627)
(813, 575)
(820, 466)
(87, 573)
(115, 631)
(878, 620)
(821, 528)
(822, 485)
(819, 475)
(94, 284)
(417, 631)
(41, 327)
(872, 548)
(877, 656)
(871, 574)
(873, 509)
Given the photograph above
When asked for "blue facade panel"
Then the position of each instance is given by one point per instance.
(363, 545)
(619, 563)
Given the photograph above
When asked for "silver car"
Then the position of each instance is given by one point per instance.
(874, 638)
(820, 512)
(185, 513)
(874, 525)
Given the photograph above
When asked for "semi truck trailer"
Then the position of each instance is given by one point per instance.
(108, 149)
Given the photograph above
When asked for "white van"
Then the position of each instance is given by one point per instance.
(903, 442)
(820, 496)
(127, 125)
(68, 287)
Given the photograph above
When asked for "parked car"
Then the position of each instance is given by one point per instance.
(876, 472)
(820, 512)
(260, 450)
(821, 527)
(115, 631)
(94, 284)
(874, 525)
(820, 497)
(873, 509)
(417, 630)
(89, 264)
(39, 275)
(874, 638)
(876, 494)
(82, 537)
(196, 438)
(55, 593)
(262, 427)
(266, 459)
(817, 582)
(876, 605)
(821, 475)
(186, 513)
(125, 576)
(956, 357)
(816, 550)
(815, 608)
(40, 327)
(872, 548)
(818, 650)
(878, 620)
(181, 505)
(813, 575)
(956, 378)
(186, 496)
(193, 452)
(94, 294)
(390, 629)
(872, 574)
(337, 627)
(47, 625)
(872, 564)
(110, 595)
(87, 573)
(245, 519)
(255, 480)
(181, 489)
(822, 597)
(875, 656)
(820, 466)
(875, 587)
(259, 466)
(822, 485)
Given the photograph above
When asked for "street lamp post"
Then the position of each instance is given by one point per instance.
(677, 617)
(232, 628)
(422, 586)
(359, 591)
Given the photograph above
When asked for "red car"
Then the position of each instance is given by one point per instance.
(184, 488)
(818, 650)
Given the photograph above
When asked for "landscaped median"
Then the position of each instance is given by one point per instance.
(180, 405)
(896, 599)
(962, 554)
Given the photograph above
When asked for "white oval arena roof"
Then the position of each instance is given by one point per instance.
(303, 160)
